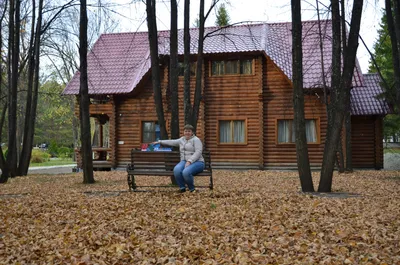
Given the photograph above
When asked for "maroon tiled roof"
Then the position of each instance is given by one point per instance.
(118, 62)
(366, 100)
(281, 52)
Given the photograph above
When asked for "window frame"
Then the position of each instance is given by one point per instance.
(141, 128)
(239, 67)
(317, 128)
(232, 119)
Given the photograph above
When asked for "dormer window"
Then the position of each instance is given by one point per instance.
(232, 67)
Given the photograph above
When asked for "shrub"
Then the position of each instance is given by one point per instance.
(53, 149)
(65, 152)
(39, 156)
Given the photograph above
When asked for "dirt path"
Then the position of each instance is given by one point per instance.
(53, 170)
(391, 161)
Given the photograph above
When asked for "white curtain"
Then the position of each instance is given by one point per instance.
(287, 126)
(238, 132)
(283, 131)
(311, 131)
(246, 67)
(148, 132)
(95, 134)
(231, 67)
(232, 132)
(106, 134)
(225, 135)
(217, 68)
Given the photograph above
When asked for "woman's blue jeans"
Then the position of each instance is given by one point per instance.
(186, 175)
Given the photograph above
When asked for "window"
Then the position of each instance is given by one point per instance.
(232, 131)
(246, 67)
(181, 69)
(232, 67)
(101, 130)
(286, 131)
(150, 131)
(218, 68)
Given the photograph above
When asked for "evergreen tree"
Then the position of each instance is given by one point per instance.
(223, 18)
(384, 61)
(383, 56)
(196, 23)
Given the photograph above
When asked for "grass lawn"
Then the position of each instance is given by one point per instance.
(252, 217)
(392, 150)
(54, 162)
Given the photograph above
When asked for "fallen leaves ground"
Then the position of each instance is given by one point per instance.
(252, 217)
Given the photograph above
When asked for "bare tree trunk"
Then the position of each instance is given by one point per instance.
(4, 109)
(35, 95)
(2, 119)
(341, 165)
(173, 76)
(340, 82)
(32, 98)
(396, 5)
(331, 140)
(303, 162)
(14, 32)
(349, 152)
(200, 61)
(84, 98)
(155, 66)
(187, 106)
(340, 158)
(75, 130)
(23, 164)
(393, 29)
(321, 47)
(347, 117)
(3, 14)
(199, 69)
(173, 71)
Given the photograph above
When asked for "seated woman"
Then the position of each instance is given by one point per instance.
(192, 161)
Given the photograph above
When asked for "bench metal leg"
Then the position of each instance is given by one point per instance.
(211, 183)
(131, 182)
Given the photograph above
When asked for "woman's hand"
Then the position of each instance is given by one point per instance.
(156, 142)
(188, 163)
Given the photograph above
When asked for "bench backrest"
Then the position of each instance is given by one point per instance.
(161, 160)
(207, 160)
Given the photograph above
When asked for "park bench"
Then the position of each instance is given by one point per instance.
(160, 163)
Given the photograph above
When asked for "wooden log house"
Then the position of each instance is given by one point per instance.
(246, 110)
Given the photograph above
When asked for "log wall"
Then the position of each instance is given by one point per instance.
(278, 104)
(367, 145)
(133, 110)
(233, 97)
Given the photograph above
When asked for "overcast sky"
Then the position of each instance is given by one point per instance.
(254, 10)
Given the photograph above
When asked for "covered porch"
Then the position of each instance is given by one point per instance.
(103, 131)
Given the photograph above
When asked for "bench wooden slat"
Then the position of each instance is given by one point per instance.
(161, 173)
(160, 164)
